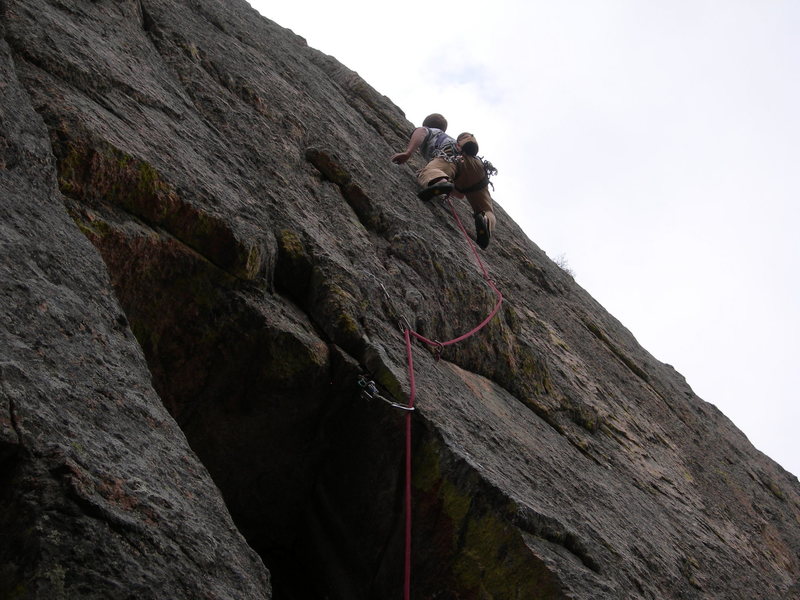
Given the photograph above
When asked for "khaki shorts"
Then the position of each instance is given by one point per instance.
(464, 172)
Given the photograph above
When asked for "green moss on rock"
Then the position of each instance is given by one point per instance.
(105, 174)
(488, 554)
(337, 311)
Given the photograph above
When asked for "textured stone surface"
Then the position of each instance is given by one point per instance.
(100, 494)
(237, 191)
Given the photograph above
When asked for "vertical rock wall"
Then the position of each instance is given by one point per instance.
(100, 494)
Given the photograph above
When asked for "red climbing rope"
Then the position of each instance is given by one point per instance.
(407, 333)
(412, 394)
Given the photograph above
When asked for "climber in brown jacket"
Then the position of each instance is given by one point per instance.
(453, 167)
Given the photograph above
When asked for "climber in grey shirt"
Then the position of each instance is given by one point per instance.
(453, 167)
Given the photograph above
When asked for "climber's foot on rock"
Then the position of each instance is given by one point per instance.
(482, 230)
(437, 188)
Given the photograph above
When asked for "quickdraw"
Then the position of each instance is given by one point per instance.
(369, 391)
(402, 322)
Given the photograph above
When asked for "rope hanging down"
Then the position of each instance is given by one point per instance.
(407, 334)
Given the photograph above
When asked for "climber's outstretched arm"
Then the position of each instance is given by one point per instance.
(415, 142)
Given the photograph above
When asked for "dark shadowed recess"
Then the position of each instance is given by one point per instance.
(309, 471)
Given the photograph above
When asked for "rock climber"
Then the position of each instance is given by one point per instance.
(453, 167)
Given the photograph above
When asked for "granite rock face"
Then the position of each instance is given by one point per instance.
(204, 244)
(100, 493)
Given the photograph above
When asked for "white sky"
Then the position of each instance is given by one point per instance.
(655, 144)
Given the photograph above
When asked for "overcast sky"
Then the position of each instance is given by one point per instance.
(654, 144)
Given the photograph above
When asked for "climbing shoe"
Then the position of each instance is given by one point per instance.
(435, 189)
(482, 230)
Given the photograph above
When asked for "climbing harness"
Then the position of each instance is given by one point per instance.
(438, 347)
(438, 144)
(474, 188)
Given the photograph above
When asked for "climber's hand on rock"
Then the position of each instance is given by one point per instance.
(400, 158)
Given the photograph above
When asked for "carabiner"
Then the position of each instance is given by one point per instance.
(437, 350)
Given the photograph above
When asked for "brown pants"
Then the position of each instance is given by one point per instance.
(466, 171)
